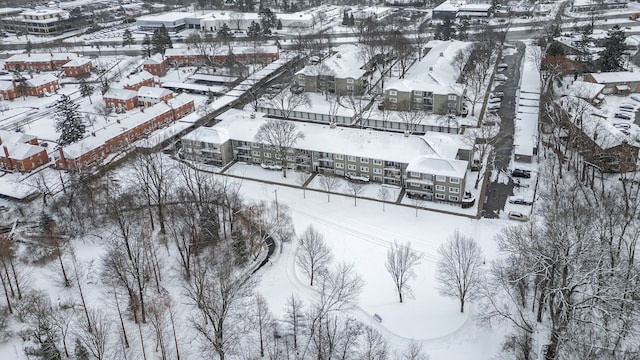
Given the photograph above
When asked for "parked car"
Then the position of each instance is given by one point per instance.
(498, 94)
(494, 105)
(519, 201)
(623, 126)
(627, 107)
(494, 100)
(521, 173)
(514, 215)
(502, 66)
(501, 77)
(635, 97)
(623, 115)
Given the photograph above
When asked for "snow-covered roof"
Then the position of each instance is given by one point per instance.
(209, 135)
(446, 145)
(153, 92)
(584, 89)
(15, 137)
(433, 164)
(154, 60)
(345, 63)
(221, 51)
(435, 72)
(115, 128)
(166, 17)
(21, 151)
(136, 79)
(76, 62)
(41, 80)
(616, 77)
(238, 125)
(120, 94)
(41, 57)
(6, 85)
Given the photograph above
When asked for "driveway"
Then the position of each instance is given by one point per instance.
(497, 193)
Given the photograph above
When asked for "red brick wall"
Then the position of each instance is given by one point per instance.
(136, 87)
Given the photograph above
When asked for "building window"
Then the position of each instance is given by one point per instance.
(393, 100)
(256, 160)
(440, 196)
(417, 92)
(339, 166)
(349, 87)
(377, 162)
(454, 180)
(453, 198)
(377, 178)
(452, 97)
(364, 169)
(351, 167)
(351, 158)
(377, 171)
(364, 160)
(393, 93)
(267, 155)
(454, 190)
(441, 178)
(414, 174)
(255, 153)
(255, 145)
(440, 188)
(339, 157)
(349, 81)
(301, 76)
(278, 157)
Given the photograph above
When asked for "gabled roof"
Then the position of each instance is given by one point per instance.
(585, 90)
(21, 151)
(41, 57)
(345, 63)
(435, 165)
(153, 92)
(6, 85)
(41, 80)
(120, 94)
(15, 137)
(76, 62)
(154, 60)
(616, 77)
(209, 135)
(136, 79)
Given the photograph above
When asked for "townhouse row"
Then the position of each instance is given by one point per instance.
(21, 152)
(433, 166)
(118, 135)
(72, 64)
(38, 85)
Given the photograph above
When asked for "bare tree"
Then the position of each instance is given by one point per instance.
(154, 177)
(301, 179)
(414, 352)
(458, 269)
(294, 314)
(384, 195)
(401, 263)
(263, 320)
(237, 17)
(355, 188)
(411, 119)
(329, 184)
(282, 135)
(286, 102)
(95, 335)
(104, 111)
(373, 345)
(361, 108)
(220, 293)
(314, 255)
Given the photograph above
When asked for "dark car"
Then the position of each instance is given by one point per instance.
(519, 201)
(521, 173)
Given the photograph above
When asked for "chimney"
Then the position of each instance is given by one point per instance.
(15, 87)
(332, 125)
(0, 141)
(62, 158)
(142, 109)
(29, 54)
(406, 133)
(93, 133)
(118, 121)
(31, 75)
(6, 151)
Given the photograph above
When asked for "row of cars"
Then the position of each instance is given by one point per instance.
(626, 111)
(495, 98)
(519, 200)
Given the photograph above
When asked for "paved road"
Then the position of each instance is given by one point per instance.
(497, 193)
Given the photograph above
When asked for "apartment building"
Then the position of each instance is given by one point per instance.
(244, 54)
(42, 84)
(155, 65)
(431, 82)
(39, 61)
(39, 22)
(8, 90)
(616, 83)
(136, 81)
(118, 135)
(342, 73)
(77, 67)
(148, 96)
(388, 158)
(121, 99)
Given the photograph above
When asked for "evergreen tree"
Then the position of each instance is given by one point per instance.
(86, 89)
(254, 31)
(613, 54)
(352, 20)
(21, 83)
(127, 38)
(161, 40)
(224, 33)
(240, 248)
(279, 25)
(345, 18)
(555, 49)
(146, 45)
(68, 121)
(209, 226)
(28, 47)
(268, 20)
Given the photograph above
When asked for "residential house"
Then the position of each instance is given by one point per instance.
(355, 153)
(136, 81)
(431, 82)
(8, 90)
(155, 65)
(589, 91)
(42, 84)
(122, 99)
(616, 83)
(20, 152)
(120, 134)
(342, 73)
(77, 67)
(148, 96)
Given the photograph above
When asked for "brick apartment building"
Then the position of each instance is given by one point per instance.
(136, 81)
(38, 61)
(77, 67)
(20, 152)
(41, 84)
(156, 65)
(123, 99)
